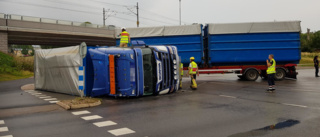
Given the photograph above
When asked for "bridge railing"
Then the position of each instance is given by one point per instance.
(2, 16)
(53, 21)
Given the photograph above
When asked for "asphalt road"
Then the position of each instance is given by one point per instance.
(223, 106)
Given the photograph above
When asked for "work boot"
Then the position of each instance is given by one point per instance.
(269, 90)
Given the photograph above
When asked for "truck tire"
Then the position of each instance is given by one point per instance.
(241, 77)
(280, 74)
(251, 75)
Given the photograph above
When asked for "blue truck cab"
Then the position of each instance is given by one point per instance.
(135, 71)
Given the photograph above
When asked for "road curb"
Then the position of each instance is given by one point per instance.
(77, 106)
(63, 105)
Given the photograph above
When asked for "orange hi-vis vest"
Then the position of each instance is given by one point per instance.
(124, 37)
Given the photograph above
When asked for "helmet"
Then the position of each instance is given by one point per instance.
(123, 28)
(192, 58)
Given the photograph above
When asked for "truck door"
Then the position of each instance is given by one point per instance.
(100, 62)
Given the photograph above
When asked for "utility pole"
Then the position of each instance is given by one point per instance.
(135, 13)
(180, 11)
(104, 18)
(107, 14)
(138, 14)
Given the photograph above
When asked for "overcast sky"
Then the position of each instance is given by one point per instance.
(166, 12)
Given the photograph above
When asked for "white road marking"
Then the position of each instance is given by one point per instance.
(91, 117)
(33, 92)
(30, 91)
(36, 93)
(295, 105)
(81, 112)
(3, 129)
(7, 136)
(41, 95)
(121, 131)
(105, 123)
(54, 101)
(227, 96)
(47, 99)
(1, 122)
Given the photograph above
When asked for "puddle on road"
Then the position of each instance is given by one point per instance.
(267, 129)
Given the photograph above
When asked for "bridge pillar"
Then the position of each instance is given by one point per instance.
(4, 42)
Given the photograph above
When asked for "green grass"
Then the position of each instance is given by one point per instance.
(307, 58)
(7, 77)
(12, 67)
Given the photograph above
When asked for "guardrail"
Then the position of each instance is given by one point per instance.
(54, 21)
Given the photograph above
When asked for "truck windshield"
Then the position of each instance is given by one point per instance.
(148, 71)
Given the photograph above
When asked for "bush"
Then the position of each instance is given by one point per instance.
(15, 65)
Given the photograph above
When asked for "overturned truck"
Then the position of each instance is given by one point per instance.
(96, 71)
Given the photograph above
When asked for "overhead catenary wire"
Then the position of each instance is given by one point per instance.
(109, 3)
(150, 12)
(86, 12)
(124, 13)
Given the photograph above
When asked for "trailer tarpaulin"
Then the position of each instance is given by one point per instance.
(162, 31)
(57, 70)
(255, 27)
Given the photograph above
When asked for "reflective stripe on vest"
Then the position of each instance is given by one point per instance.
(272, 68)
(124, 37)
(194, 67)
(181, 68)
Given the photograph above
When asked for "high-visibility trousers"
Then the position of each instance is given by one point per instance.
(180, 87)
(193, 83)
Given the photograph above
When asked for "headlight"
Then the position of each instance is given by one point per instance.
(131, 55)
(175, 66)
(159, 88)
(175, 77)
(175, 71)
(133, 91)
(174, 61)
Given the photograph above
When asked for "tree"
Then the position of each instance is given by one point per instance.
(312, 44)
(24, 51)
(86, 23)
(305, 43)
(315, 41)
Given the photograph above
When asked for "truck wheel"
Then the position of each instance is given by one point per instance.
(280, 74)
(251, 75)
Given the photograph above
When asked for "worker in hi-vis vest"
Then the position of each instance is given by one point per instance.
(125, 38)
(271, 71)
(181, 75)
(193, 72)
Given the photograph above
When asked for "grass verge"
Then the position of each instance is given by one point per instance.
(7, 77)
(12, 67)
(307, 59)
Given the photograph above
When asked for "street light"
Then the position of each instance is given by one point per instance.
(180, 11)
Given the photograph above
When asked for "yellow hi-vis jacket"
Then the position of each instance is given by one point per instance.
(124, 37)
(272, 68)
(181, 68)
(193, 69)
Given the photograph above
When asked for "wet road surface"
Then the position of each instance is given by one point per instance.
(222, 106)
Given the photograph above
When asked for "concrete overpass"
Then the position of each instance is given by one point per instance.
(23, 30)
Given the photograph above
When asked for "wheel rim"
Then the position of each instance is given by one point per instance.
(279, 74)
(252, 75)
